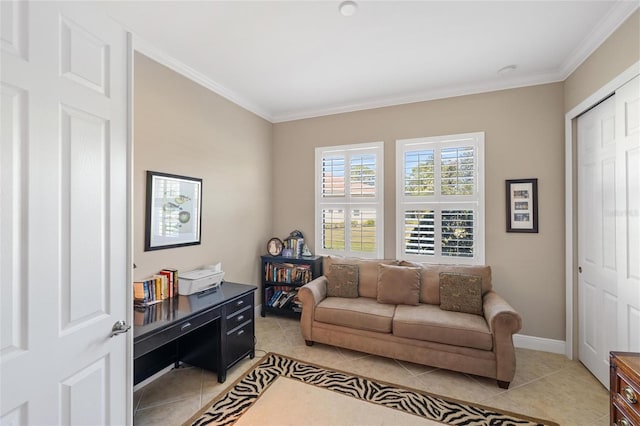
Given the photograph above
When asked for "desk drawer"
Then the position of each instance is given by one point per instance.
(172, 332)
(239, 342)
(239, 304)
(239, 317)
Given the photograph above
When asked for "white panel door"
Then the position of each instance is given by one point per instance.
(628, 217)
(597, 282)
(64, 207)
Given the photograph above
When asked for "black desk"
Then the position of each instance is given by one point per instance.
(213, 330)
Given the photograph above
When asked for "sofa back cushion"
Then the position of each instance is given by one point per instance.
(398, 285)
(367, 272)
(430, 282)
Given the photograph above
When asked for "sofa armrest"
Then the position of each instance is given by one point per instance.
(310, 295)
(503, 322)
(500, 316)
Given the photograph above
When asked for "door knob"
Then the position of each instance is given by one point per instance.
(119, 327)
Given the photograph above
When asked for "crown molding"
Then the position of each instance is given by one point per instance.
(423, 96)
(599, 34)
(147, 49)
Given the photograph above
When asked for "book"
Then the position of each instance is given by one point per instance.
(169, 281)
(281, 299)
(288, 300)
(275, 296)
(173, 281)
(138, 291)
(268, 293)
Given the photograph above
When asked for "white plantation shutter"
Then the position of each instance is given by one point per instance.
(362, 176)
(349, 200)
(333, 168)
(457, 170)
(363, 231)
(458, 233)
(419, 232)
(333, 230)
(419, 173)
(440, 199)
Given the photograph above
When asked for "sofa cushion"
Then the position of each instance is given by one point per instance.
(342, 281)
(430, 323)
(430, 280)
(461, 293)
(362, 313)
(398, 284)
(367, 272)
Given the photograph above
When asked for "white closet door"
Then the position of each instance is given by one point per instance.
(609, 229)
(628, 214)
(597, 282)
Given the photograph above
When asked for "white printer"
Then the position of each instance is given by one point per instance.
(200, 279)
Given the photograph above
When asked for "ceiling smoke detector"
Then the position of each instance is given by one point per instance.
(348, 8)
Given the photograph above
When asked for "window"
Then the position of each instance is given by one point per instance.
(440, 199)
(349, 200)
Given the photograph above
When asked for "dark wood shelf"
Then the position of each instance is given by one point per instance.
(315, 266)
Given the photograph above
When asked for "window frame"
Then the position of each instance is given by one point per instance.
(349, 203)
(438, 202)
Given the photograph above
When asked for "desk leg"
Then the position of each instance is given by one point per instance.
(222, 376)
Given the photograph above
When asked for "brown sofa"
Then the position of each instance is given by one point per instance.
(414, 329)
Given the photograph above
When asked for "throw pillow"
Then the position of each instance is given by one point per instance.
(398, 285)
(342, 281)
(461, 293)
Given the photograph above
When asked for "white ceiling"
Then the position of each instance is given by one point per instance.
(286, 60)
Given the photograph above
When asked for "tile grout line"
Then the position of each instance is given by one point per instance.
(135, 410)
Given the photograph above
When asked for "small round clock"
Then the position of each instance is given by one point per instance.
(274, 246)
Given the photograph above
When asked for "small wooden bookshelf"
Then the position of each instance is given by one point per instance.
(281, 279)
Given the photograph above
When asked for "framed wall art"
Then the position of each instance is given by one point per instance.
(522, 205)
(174, 211)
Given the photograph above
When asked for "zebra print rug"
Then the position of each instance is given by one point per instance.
(228, 407)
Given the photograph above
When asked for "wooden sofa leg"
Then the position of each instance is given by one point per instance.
(503, 385)
(310, 343)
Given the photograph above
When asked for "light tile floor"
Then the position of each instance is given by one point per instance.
(546, 385)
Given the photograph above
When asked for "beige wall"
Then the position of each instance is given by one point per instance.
(523, 139)
(185, 129)
(616, 54)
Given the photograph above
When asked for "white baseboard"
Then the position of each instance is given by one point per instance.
(539, 344)
(257, 311)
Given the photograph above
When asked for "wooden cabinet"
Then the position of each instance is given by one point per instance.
(281, 278)
(625, 388)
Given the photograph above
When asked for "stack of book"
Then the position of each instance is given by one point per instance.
(287, 273)
(283, 299)
(296, 245)
(159, 287)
